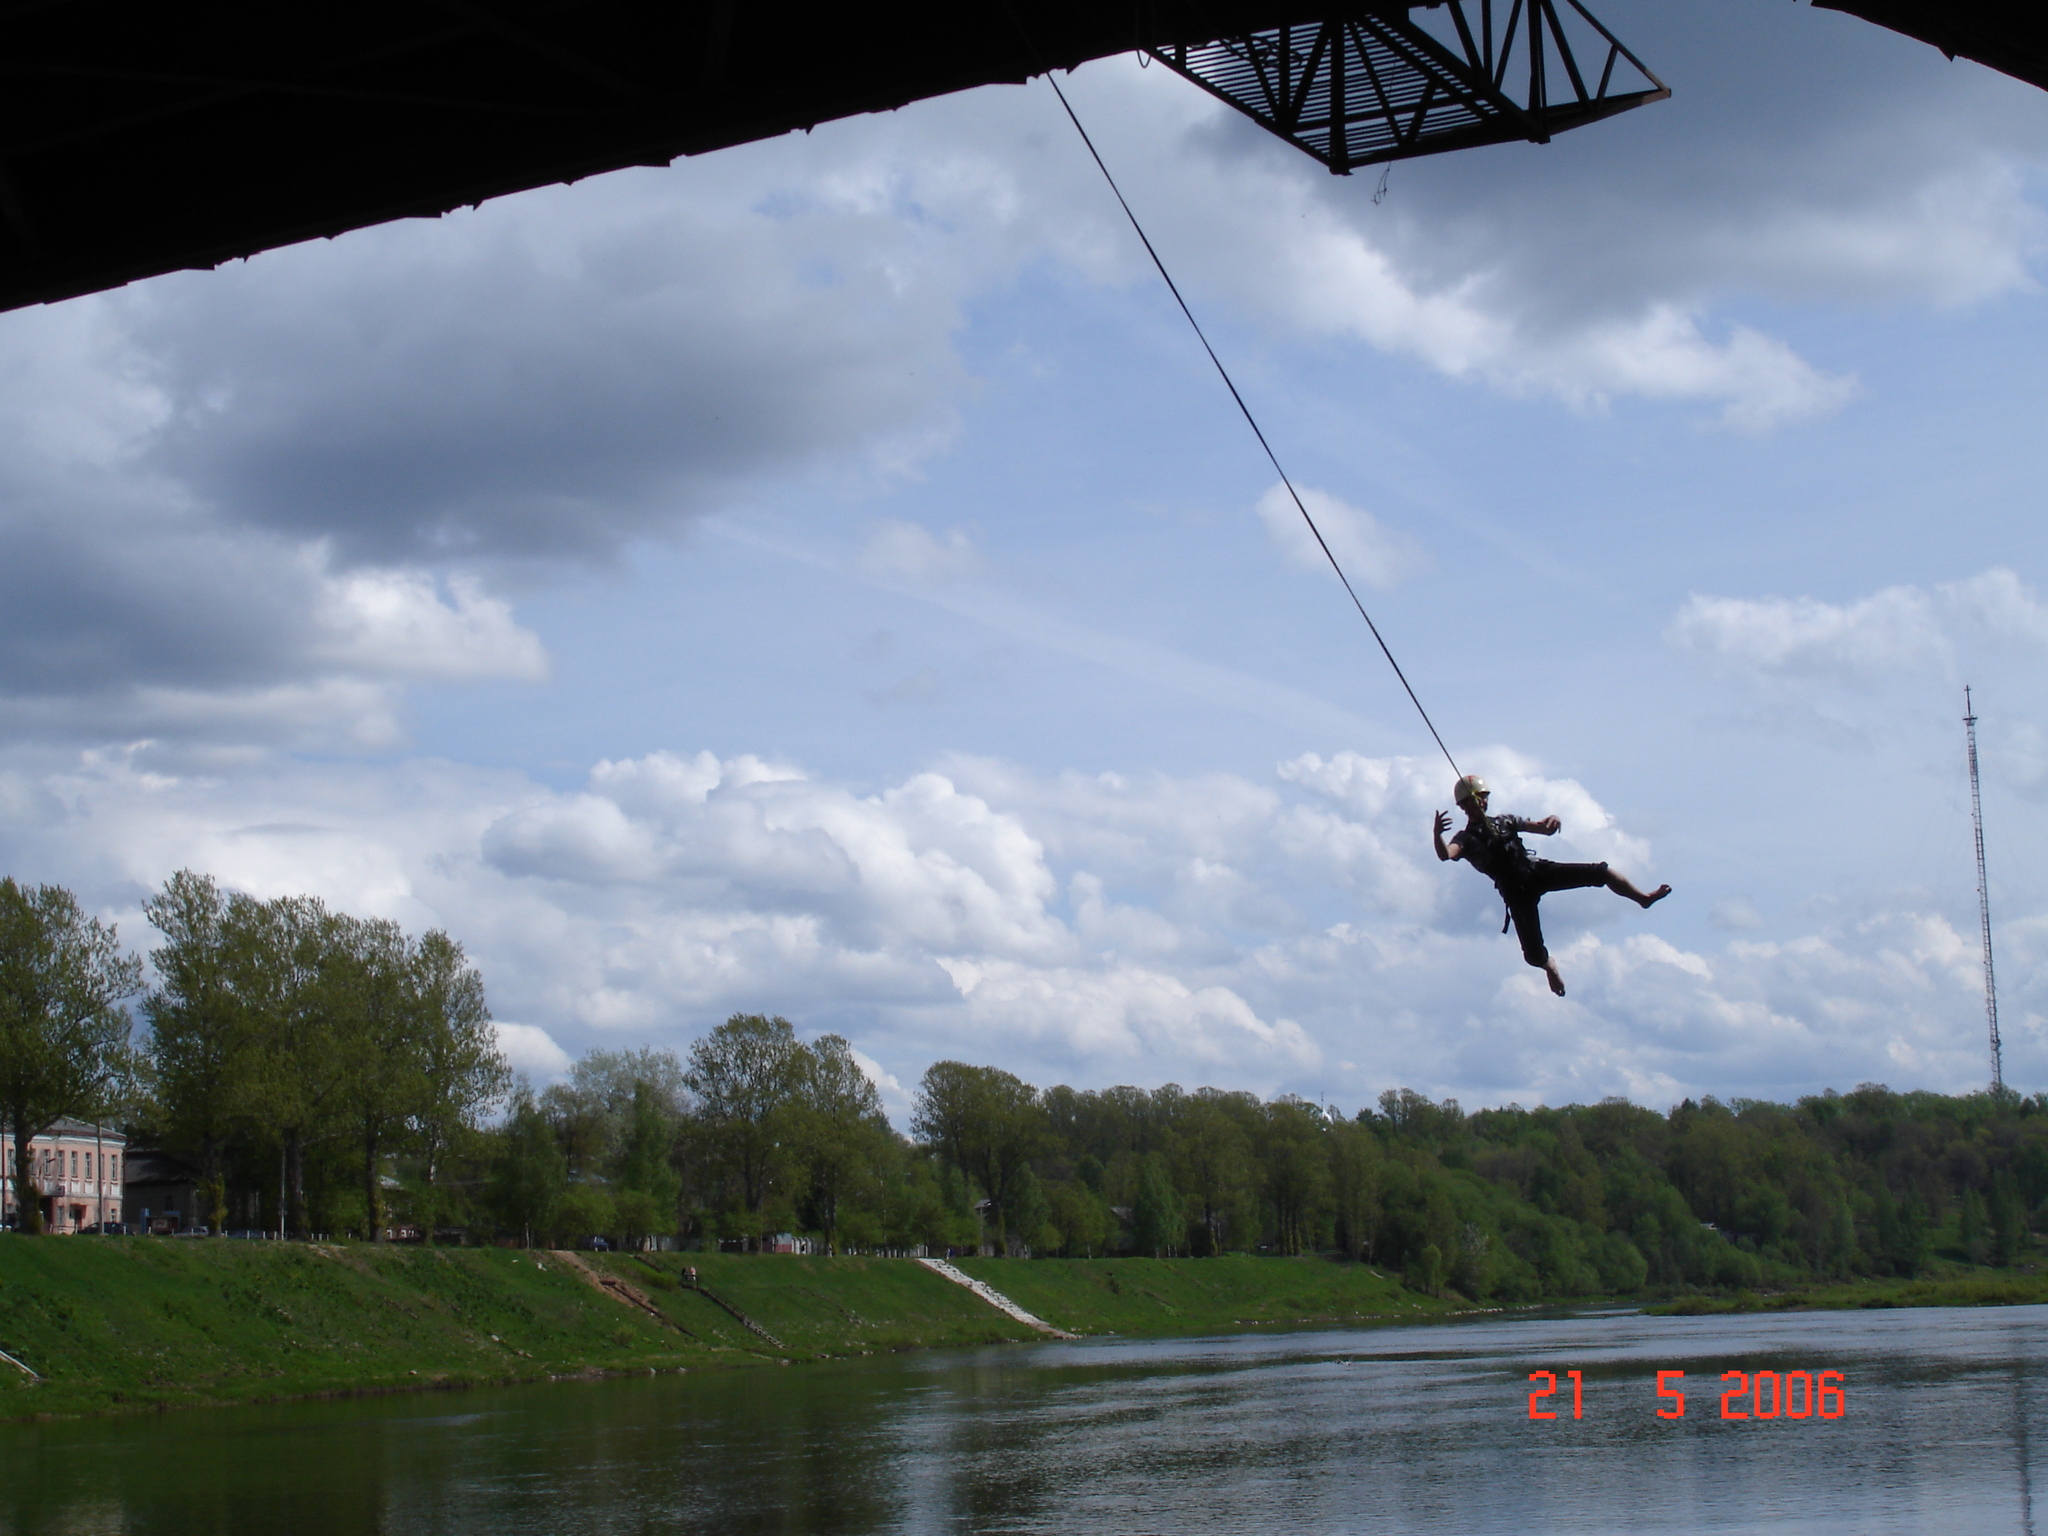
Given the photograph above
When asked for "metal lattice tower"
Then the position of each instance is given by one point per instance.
(1983, 898)
(1378, 82)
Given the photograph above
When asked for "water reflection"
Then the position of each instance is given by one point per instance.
(2024, 1454)
(1413, 1429)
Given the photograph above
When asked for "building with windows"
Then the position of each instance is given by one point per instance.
(162, 1193)
(77, 1167)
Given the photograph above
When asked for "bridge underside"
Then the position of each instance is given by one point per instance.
(139, 138)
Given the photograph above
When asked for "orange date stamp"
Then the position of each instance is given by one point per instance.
(1754, 1395)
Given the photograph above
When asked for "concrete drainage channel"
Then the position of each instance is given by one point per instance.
(994, 1298)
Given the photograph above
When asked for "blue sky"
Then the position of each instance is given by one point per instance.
(825, 578)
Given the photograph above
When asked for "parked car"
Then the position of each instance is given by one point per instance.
(108, 1229)
(198, 1231)
(597, 1245)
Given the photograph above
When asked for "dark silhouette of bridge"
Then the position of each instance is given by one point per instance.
(139, 137)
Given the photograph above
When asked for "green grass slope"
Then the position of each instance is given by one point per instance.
(112, 1322)
(144, 1323)
(1218, 1295)
(1997, 1288)
(817, 1306)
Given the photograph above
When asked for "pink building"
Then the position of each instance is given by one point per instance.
(77, 1172)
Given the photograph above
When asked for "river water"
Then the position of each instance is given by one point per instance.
(1395, 1429)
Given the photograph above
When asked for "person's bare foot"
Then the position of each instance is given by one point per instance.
(1657, 895)
(1556, 981)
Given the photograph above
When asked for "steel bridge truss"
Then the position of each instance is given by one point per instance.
(1375, 85)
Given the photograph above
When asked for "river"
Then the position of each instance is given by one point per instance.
(1395, 1429)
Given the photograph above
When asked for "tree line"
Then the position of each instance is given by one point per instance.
(293, 1054)
(329, 1073)
(755, 1132)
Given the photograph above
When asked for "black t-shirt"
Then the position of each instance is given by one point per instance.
(1494, 848)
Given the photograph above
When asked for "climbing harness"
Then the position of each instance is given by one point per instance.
(1250, 420)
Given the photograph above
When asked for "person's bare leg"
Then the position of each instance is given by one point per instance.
(1556, 981)
(1620, 886)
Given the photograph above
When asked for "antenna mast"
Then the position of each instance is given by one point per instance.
(1983, 898)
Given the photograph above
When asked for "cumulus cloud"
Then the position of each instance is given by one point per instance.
(1290, 931)
(397, 624)
(532, 1050)
(1126, 1013)
(1338, 280)
(1898, 630)
(552, 374)
(1792, 637)
(261, 483)
(117, 627)
(1369, 551)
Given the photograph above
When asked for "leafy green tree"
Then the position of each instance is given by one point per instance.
(1079, 1218)
(1970, 1226)
(364, 989)
(1157, 1224)
(646, 1175)
(1357, 1177)
(985, 1122)
(746, 1076)
(927, 1205)
(1425, 1272)
(529, 1173)
(1297, 1172)
(462, 1073)
(584, 1124)
(1213, 1158)
(594, 1111)
(1901, 1239)
(1031, 1225)
(2008, 1216)
(304, 1062)
(202, 1048)
(64, 1046)
(843, 1136)
(640, 1216)
(585, 1211)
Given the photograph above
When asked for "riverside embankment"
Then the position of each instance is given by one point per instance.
(124, 1324)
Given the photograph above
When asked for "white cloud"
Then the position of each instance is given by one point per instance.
(1126, 1013)
(1089, 928)
(532, 1050)
(1804, 637)
(1338, 281)
(1898, 630)
(909, 554)
(395, 624)
(223, 492)
(1999, 605)
(1368, 551)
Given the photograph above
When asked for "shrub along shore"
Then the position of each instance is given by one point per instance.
(132, 1324)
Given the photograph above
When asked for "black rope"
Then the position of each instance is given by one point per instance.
(1250, 420)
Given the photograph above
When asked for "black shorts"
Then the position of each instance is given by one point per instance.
(1545, 877)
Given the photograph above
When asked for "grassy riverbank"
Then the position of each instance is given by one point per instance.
(1996, 1288)
(148, 1323)
(1219, 1295)
(124, 1324)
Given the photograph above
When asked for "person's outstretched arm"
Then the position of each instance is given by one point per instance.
(1439, 828)
(1547, 827)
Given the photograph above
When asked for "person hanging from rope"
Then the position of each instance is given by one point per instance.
(1493, 846)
